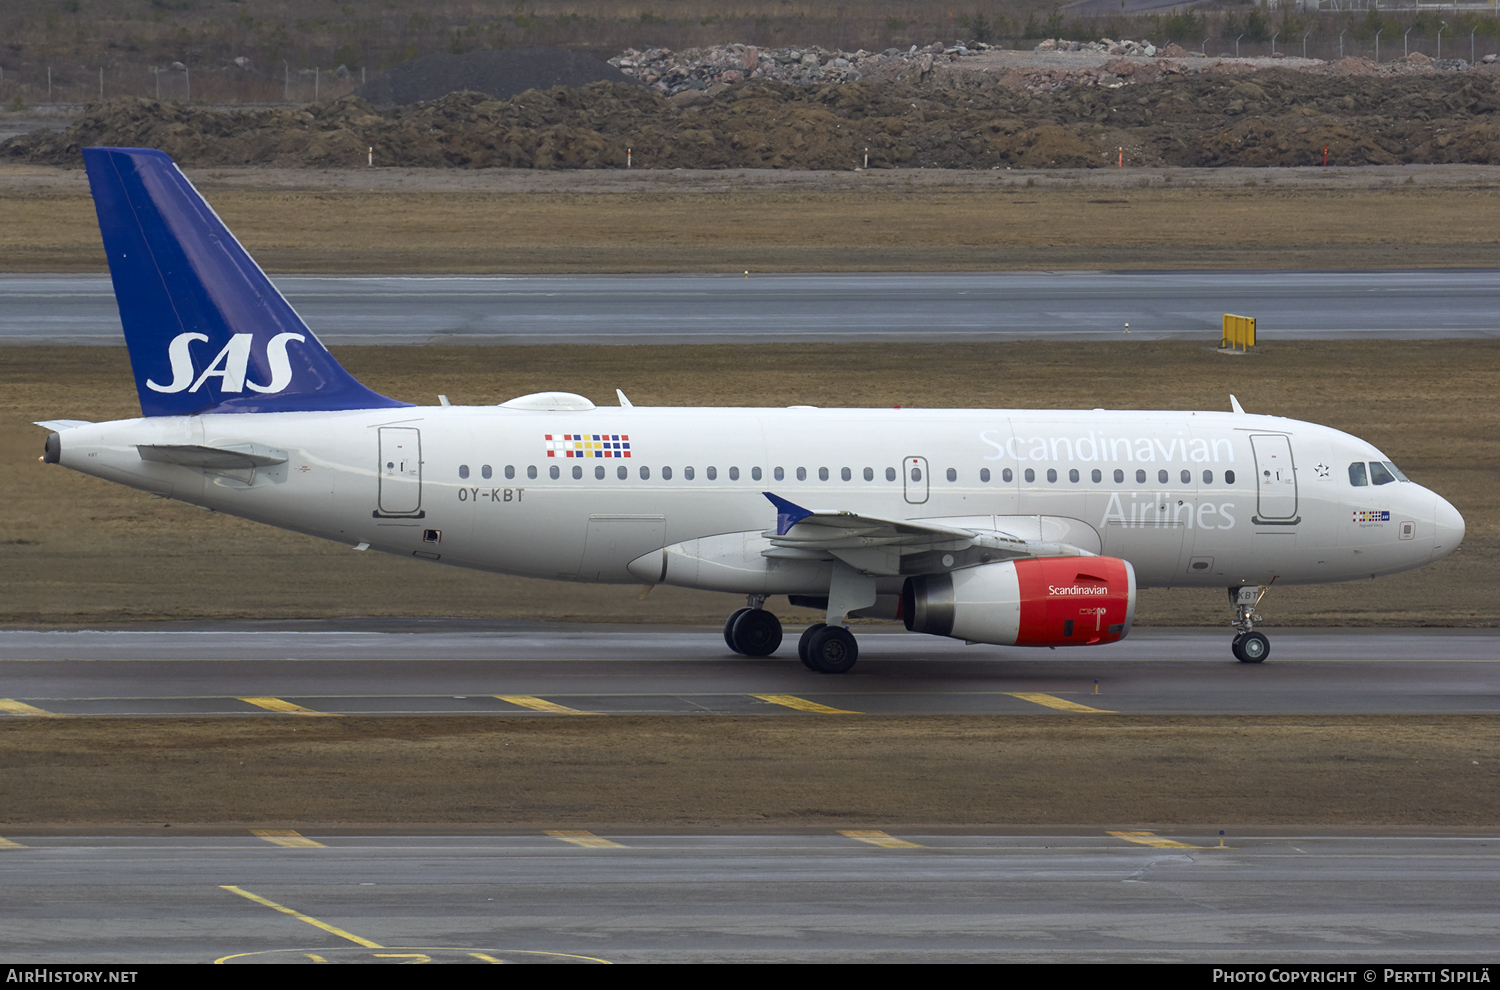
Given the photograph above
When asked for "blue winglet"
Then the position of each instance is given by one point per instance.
(206, 330)
(787, 514)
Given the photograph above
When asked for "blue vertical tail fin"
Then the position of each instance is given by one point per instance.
(207, 331)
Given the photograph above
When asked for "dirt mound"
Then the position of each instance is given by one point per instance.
(498, 74)
(1158, 114)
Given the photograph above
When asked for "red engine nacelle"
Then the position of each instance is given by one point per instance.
(1046, 601)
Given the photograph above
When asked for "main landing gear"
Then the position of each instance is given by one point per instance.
(827, 649)
(1248, 646)
(752, 631)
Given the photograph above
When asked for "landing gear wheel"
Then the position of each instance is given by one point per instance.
(729, 628)
(807, 635)
(1234, 647)
(756, 633)
(832, 650)
(1252, 647)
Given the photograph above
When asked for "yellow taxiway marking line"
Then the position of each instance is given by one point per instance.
(8, 844)
(581, 838)
(1051, 701)
(15, 707)
(1148, 839)
(801, 704)
(286, 837)
(278, 705)
(539, 705)
(330, 929)
(489, 959)
(877, 838)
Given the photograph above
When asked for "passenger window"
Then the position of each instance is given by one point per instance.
(952, 475)
(486, 473)
(1030, 475)
(1228, 477)
(846, 474)
(463, 471)
(622, 472)
(802, 474)
(822, 474)
(890, 474)
(1187, 476)
(1007, 475)
(531, 471)
(984, 475)
(1161, 476)
(755, 474)
(1140, 476)
(645, 473)
(1379, 475)
(599, 472)
(1357, 475)
(1073, 476)
(713, 474)
(577, 471)
(687, 474)
(510, 471)
(666, 474)
(734, 474)
(1052, 475)
(552, 472)
(1097, 475)
(780, 474)
(1119, 476)
(869, 474)
(1208, 477)
(916, 474)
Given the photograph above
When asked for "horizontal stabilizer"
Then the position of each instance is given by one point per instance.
(227, 458)
(62, 424)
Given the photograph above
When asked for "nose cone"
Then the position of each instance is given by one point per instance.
(1449, 529)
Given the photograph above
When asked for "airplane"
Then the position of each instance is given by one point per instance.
(998, 526)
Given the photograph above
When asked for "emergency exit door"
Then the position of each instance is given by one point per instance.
(914, 479)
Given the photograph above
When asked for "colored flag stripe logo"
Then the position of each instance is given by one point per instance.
(1372, 515)
(588, 444)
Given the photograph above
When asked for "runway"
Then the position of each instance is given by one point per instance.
(700, 309)
(527, 670)
(1080, 895)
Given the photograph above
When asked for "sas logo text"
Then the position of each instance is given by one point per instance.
(230, 366)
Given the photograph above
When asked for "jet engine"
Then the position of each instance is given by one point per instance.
(1041, 601)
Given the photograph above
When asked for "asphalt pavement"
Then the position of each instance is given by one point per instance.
(535, 670)
(701, 309)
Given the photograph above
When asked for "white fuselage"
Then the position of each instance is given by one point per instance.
(1190, 499)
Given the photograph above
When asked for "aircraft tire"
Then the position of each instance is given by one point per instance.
(1254, 647)
(729, 628)
(756, 633)
(832, 650)
(807, 635)
(1234, 647)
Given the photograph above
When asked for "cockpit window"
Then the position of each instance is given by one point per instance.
(1380, 474)
(1357, 476)
(1396, 471)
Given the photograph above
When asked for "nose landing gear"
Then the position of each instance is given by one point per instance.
(1248, 646)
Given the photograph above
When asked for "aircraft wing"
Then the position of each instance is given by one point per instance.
(895, 546)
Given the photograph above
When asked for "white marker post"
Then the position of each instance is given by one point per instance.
(371, 162)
